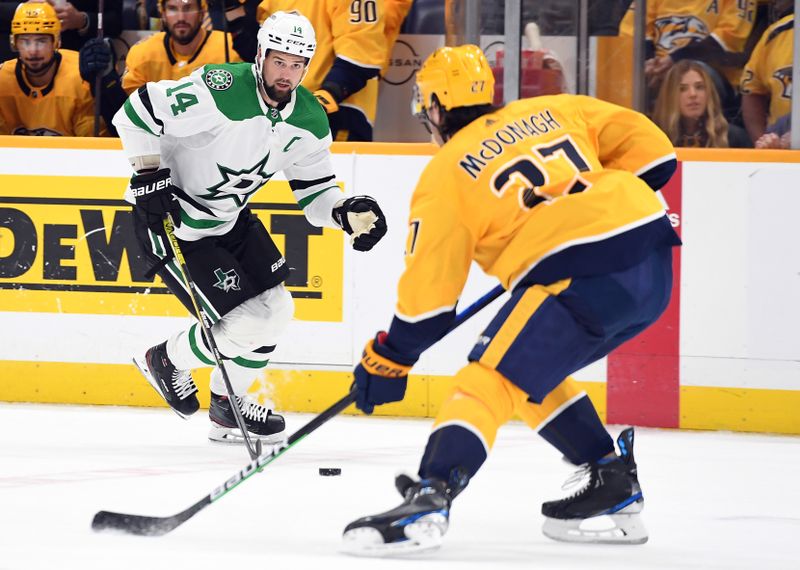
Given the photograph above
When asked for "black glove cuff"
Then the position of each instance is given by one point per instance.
(144, 186)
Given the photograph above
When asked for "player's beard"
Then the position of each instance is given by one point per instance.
(185, 36)
(39, 67)
(281, 96)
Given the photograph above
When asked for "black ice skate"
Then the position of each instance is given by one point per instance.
(417, 525)
(606, 509)
(260, 421)
(175, 386)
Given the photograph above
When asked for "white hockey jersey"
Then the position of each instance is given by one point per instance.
(222, 142)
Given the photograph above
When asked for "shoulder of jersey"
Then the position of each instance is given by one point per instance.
(145, 45)
(232, 87)
(785, 24)
(68, 70)
(308, 114)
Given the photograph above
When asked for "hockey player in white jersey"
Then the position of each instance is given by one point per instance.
(200, 147)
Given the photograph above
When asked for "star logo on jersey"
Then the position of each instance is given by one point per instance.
(239, 185)
(226, 280)
(219, 79)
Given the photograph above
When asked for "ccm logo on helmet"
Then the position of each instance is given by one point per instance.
(150, 188)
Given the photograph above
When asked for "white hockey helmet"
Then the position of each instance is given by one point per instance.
(289, 32)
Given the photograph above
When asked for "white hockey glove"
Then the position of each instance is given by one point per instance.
(362, 219)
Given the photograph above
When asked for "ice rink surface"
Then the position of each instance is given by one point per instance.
(713, 500)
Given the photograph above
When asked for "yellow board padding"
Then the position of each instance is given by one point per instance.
(740, 409)
(311, 391)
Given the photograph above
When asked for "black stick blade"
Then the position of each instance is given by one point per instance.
(134, 524)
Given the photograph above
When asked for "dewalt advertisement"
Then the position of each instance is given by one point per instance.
(67, 246)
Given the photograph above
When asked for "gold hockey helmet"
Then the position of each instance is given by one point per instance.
(35, 18)
(458, 76)
(202, 3)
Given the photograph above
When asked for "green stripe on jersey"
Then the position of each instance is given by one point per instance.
(303, 202)
(246, 363)
(135, 119)
(308, 114)
(199, 224)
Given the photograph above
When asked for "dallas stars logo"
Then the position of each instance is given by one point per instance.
(219, 79)
(239, 185)
(226, 280)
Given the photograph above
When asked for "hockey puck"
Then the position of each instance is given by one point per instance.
(329, 471)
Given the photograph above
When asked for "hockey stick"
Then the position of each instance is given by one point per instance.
(156, 526)
(98, 80)
(205, 323)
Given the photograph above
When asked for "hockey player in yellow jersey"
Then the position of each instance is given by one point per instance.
(556, 197)
(352, 48)
(767, 80)
(176, 52)
(41, 92)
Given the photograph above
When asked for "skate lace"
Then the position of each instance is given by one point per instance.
(253, 410)
(183, 384)
(582, 474)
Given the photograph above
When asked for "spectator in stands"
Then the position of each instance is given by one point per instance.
(712, 32)
(182, 47)
(352, 48)
(79, 20)
(688, 110)
(42, 93)
(767, 80)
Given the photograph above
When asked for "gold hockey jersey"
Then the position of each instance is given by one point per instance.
(671, 24)
(540, 190)
(64, 107)
(353, 30)
(769, 71)
(153, 59)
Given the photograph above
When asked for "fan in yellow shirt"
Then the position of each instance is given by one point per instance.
(767, 80)
(41, 92)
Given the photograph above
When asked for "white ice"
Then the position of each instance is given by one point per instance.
(713, 500)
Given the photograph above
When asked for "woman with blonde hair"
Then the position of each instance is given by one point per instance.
(688, 110)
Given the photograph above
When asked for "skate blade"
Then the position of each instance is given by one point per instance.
(604, 529)
(222, 434)
(141, 364)
(422, 537)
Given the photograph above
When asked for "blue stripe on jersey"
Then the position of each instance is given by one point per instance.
(609, 255)
(412, 339)
(659, 175)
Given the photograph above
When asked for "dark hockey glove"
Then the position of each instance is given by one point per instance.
(362, 219)
(95, 59)
(381, 376)
(154, 196)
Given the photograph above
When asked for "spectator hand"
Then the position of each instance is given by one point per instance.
(362, 219)
(155, 198)
(96, 59)
(656, 68)
(326, 100)
(379, 378)
(773, 140)
(71, 18)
